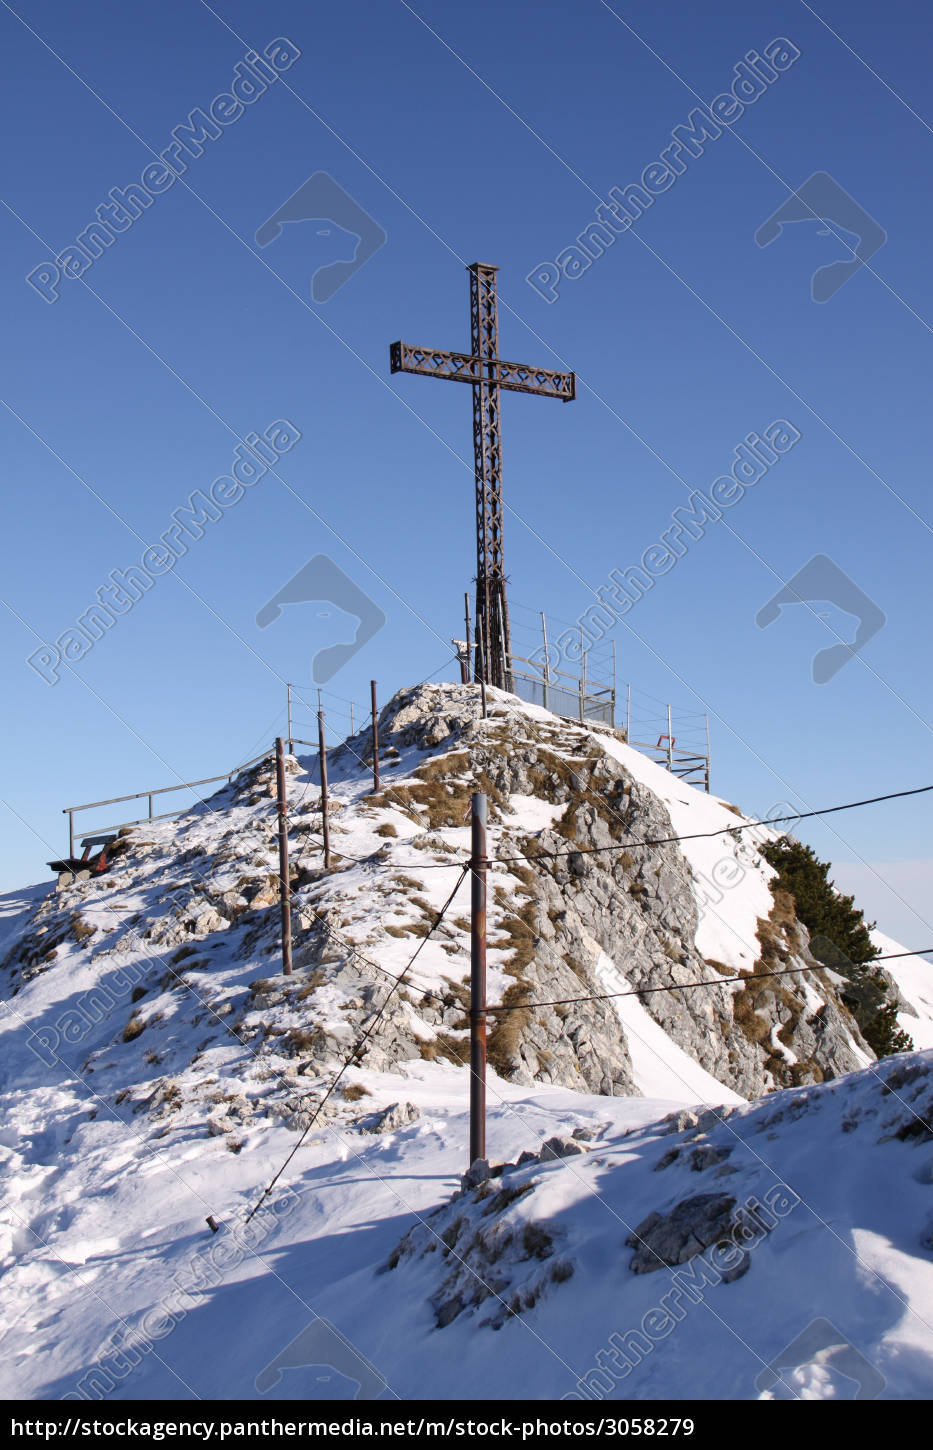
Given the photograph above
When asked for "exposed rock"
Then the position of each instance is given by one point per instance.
(558, 1147)
(639, 910)
(590, 1134)
(693, 1225)
(493, 1256)
(680, 1122)
(397, 1115)
(707, 1156)
(477, 1173)
(558, 904)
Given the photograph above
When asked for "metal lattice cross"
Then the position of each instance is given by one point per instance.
(487, 373)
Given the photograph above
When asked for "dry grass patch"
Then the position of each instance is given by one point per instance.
(505, 1040)
(760, 988)
(450, 1049)
(317, 979)
(133, 1028)
(81, 929)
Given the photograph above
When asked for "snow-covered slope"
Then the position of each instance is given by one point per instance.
(914, 979)
(157, 1069)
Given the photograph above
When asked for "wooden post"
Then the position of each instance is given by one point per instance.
(478, 979)
(290, 737)
(325, 828)
(285, 895)
(375, 709)
(670, 741)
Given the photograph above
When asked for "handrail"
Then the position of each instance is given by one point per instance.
(164, 789)
(71, 811)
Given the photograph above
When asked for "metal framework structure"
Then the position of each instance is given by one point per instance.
(487, 374)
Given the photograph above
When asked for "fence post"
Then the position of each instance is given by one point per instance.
(71, 833)
(469, 654)
(322, 761)
(478, 979)
(291, 741)
(352, 726)
(547, 666)
(482, 673)
(582, 680)
(670, 742)
(614, 684)
(628, 714)
(375, 709)
(150, 808)
(707, 753)
(285, 896)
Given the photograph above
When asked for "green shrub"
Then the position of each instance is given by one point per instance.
(839, 938)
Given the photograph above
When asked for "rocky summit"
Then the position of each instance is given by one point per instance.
(159, 1068)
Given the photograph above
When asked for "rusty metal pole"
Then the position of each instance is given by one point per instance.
(375, 708)
(478, 979)
(322, 760)
(482, 675)
(285, 895)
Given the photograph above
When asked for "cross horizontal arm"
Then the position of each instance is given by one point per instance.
(460, 367)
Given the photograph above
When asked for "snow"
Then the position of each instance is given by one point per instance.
(104, 1241)
(730, 878)
(914, 977)
(115, 1288)
(662, 1069)
(527, 813)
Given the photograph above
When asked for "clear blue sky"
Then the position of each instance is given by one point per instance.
(492, 140)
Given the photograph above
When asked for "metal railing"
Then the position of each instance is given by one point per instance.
(148, 795)
(573, 696)
(687, 765)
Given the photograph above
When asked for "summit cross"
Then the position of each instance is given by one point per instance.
(487, 374)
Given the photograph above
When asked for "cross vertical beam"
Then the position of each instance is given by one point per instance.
(492, 620)
(488, 374)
